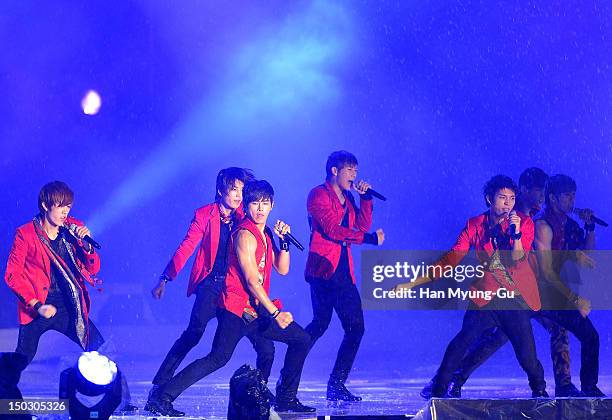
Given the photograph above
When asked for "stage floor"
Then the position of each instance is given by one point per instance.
(208, 398)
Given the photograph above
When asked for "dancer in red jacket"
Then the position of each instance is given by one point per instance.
(211, 228)
(48, 268)
(336, 222)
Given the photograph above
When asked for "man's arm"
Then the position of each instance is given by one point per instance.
(319, 207)
(194, 235)
(246, 245)
(281, 257)
(452, 258)
(543, 241)
(16, 281)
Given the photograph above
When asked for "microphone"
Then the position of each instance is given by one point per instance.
(376, 194)
(512, 227)
(372, 192)
(294, 241)
(86, 238)
(597, 220)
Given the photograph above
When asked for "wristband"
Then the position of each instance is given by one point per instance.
(36, 306)
(165, 278)
(275, 313)
(284, 245)
(370, 238)
(516, 236)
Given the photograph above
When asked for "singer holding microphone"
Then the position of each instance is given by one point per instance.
(336, 223)
(48, 268)
(246, 309)
(502, 238)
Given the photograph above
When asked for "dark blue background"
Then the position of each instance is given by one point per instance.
(433, 97)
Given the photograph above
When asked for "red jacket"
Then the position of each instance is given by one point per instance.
(236, 297)
(477, 235)
(28, 270)
(325, 213)
(204, 229)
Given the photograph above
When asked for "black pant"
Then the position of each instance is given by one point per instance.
(63, 322)
(493, 339)
(516, 324)
(340, 294)
(586, 333)
(230, 329)
(204, 309)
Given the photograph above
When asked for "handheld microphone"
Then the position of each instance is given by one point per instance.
(372, 192)
(294, 241)
(86, 238)
(512, 227)
(597, 220)
(376, 194)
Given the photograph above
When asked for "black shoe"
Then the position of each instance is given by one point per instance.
(593, 392)
(336, 391)
(427, 390)
(568, 391)
(454, 389)
(539, 394)
(161, 406)
(126, 410)
(434, 390)
(293, 406)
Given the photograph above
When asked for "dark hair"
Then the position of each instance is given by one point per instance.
(339, 159)
(559, 184)
(227, 177)
(498, 182)
(56, 192)
(256, 191)
(533, 177)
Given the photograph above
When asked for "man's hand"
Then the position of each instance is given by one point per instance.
(380, 234)
(361, 187)
(281, 228)
(583, 260)
(47, 311)
(159, 289)
(283, 319)
(515, 219)
(81, 232)
(583, 305)
(586, 215)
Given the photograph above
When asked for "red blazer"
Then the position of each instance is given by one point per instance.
(325, 213)
(204, 229)
(477, 235)
(28, 270)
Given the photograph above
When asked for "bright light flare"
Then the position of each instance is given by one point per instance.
(91, 103)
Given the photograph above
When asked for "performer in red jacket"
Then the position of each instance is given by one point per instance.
(503, 252)
(48, 268)
(211, 228)
(336, 222)
(246, 308)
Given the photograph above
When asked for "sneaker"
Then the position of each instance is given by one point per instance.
(162, 406)
(568, 391)
(539, 394)
(593, 392)
(338, 392)
(126, 410)
(293, 406)
(454, 389)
